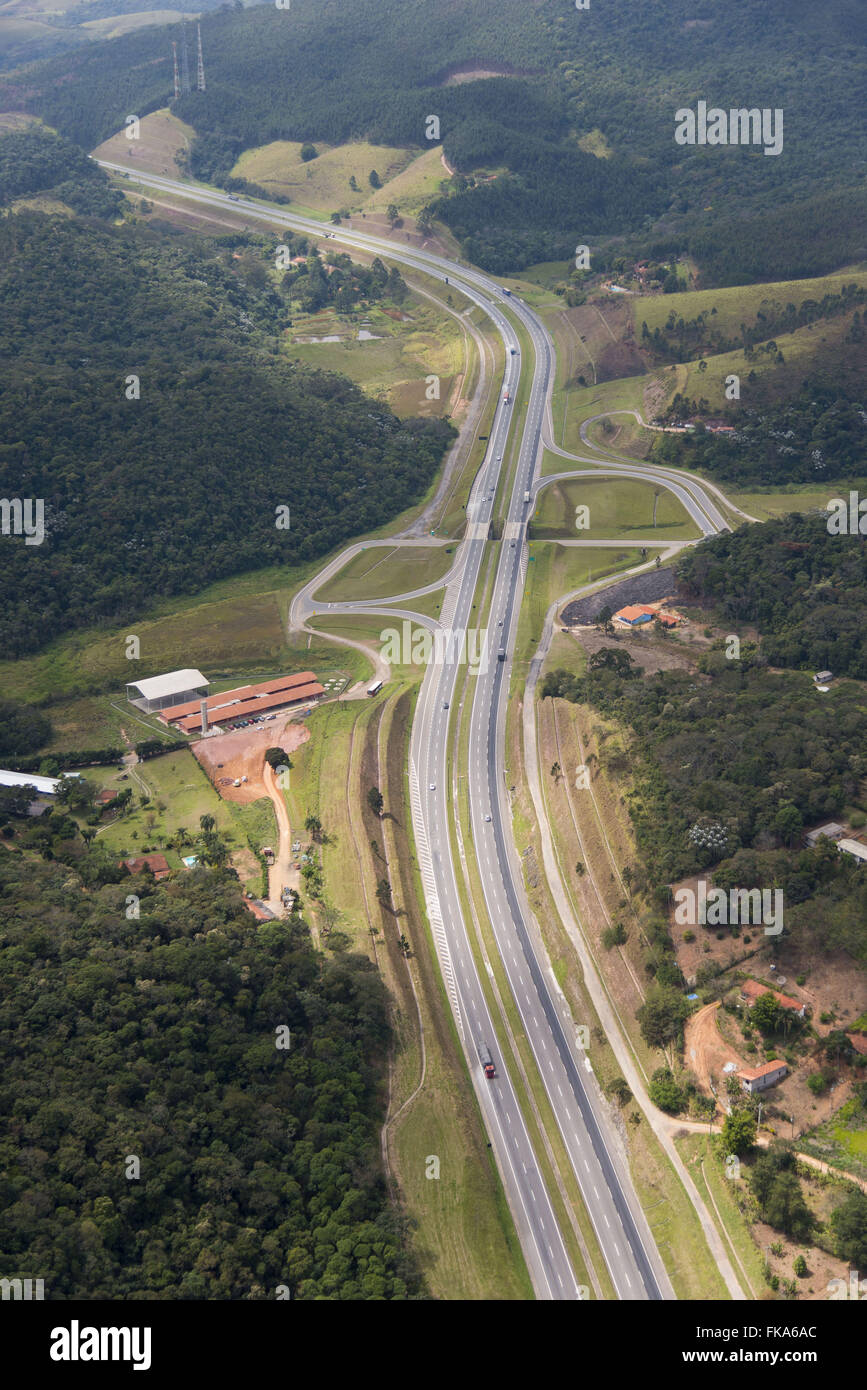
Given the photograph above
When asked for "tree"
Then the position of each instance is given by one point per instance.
(738, 1133)
(313, 825)
(849, 1225)
(619, 1089)
(308, 152)
(277, 757)
(767, 1014)
(375, 801)
(374, 180)
(392, 212)
(353, 183)
(207, 823)
(800, 1266)
(665, 1093)
(661, 1016)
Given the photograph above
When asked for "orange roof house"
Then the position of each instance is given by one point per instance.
(157, 863)
(751, 990)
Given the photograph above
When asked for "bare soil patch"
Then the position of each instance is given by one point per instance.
(226, 757)
(651, 654)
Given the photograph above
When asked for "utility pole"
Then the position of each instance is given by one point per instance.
(177, 78)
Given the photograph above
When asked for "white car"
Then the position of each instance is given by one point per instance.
(487, 818)
(433, 787)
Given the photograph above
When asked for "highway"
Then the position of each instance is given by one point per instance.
(594, 1151)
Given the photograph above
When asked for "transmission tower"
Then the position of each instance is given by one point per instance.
(185, 61)
(177, 78)
(200, 77)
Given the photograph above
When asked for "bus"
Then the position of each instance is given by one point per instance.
(375, 688)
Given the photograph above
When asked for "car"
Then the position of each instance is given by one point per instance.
(445, 704)
(487, 818)
(500, 623)
(433, 787)
(499, 456)
(513, 545)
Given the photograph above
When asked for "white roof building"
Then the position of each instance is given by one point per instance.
(47, 785)
(855, 848)
(173, 688)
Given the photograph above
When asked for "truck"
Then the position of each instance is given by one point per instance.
(506, 397)
(501, 654)
(505, 291)
(526, 496)
(486, 1060)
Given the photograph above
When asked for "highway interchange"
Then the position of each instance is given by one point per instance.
(594, 1151)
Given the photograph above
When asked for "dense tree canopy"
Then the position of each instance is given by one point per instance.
(155, 1037)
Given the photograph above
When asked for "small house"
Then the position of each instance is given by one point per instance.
(760, 1078)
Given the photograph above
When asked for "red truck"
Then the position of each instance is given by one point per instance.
(486, 1060)
(506, 397)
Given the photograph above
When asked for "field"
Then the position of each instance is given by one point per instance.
(322, 184)
(739, 304)
(765, 505)
(396, 362)
(161, 138)
(617, 508)
(380, 571)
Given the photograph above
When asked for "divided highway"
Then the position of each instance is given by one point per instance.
(623, 1235)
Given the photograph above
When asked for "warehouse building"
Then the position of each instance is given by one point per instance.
(244, 702)
(160, 692)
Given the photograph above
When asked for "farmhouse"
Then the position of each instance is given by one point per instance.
(760, 1078)
(159, 692)
(831, 830)
(157, 863)
(751, 990)
(637, 614)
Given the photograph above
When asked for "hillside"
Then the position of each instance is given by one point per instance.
(178, 432)
(553, 92)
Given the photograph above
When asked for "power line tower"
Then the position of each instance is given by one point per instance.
(177, 78)
(200, 76)
(185, 61)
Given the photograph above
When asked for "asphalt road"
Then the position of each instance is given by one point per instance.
(633, 1262)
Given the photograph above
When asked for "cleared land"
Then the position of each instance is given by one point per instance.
(618, 508)
(397, 358)
(162, 138)
(323, 183)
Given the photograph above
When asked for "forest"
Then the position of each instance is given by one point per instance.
(339, 70)
(192, 1100)
(804, 589)
(35, 160)
(164, 491)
